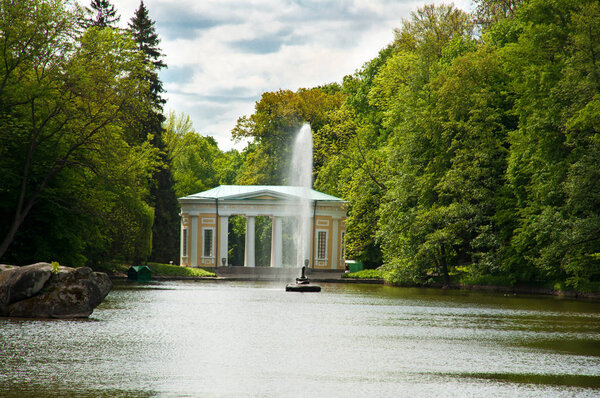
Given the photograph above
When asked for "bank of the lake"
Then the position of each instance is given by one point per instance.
(374, 275)
(170, 272)
(118, 270)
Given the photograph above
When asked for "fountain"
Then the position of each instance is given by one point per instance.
(302, 284)
(300, 175)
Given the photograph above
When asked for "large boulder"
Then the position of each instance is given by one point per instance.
(23, 282)
(67, 293)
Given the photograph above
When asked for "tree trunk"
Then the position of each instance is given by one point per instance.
(10, 236)
(444, 265)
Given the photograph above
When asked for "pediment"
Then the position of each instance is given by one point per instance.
(258, 192)
(262, 195)
(266, 197)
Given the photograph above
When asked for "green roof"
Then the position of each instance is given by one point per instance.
(244, 192)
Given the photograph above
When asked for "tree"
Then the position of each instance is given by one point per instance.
(144, 34)
(411, 225)
(102, 15)
(196, 160)
(61, 100)
(276, 120)
(354, 167)
(165, 237)
(489, 12)
(554, 152)
(463, 158)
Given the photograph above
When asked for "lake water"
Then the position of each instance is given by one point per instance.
(216, 339)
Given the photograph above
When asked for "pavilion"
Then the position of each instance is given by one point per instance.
(205, 215)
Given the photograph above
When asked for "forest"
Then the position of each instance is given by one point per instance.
(468, 149)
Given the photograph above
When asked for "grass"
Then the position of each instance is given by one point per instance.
(176, 270)
(111, 267)
(158, 269)
(364, 274)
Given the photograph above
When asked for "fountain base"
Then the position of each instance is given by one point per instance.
(302, 284)
(295, 287)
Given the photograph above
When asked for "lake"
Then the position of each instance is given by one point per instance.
(245, 339)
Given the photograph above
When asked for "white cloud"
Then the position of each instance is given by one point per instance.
(224, 54)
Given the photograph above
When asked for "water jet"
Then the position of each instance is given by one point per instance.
(300, 174)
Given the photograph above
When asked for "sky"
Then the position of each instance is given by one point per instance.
(223, 54)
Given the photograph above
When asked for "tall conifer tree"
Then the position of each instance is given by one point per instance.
(103, 14)
(165, 231)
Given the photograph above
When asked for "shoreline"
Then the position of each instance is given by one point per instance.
(513, 290)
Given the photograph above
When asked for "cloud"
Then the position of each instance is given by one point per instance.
(223, 54)
(180, 74)
(265, 45)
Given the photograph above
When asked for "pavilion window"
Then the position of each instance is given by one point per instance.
(321, 245)
(184, 242)
(208, 243)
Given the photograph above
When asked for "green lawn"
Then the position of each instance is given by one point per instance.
(157, 269)
(364, 274)
(176, 270)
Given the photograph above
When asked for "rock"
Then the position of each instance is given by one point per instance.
(6, 267)
(23, 282)
(70, 293)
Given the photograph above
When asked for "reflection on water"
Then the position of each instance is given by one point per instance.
(254, 339)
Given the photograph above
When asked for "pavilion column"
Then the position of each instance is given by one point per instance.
(335, 249)
(249, 255)
(223, 239)
(276, 242)
(194, 239)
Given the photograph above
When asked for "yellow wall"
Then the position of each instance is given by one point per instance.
(218, 255)
(324, 223)
(209, 221)
(206, 221)
(341, 230)
(186, 222)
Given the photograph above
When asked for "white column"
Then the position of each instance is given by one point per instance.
(194, 239)
(334, 244)
(249, 256)
(276, 242)
(224, 239)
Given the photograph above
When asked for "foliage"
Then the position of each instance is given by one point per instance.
(554, 159)
(277, 118)
(66, 156)
(165, 228)
(197, 162)
(236, 239)
(54, 267)
(464, 157)
(144, 34)
(111, 267)
(102, 14)
(490, 12)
